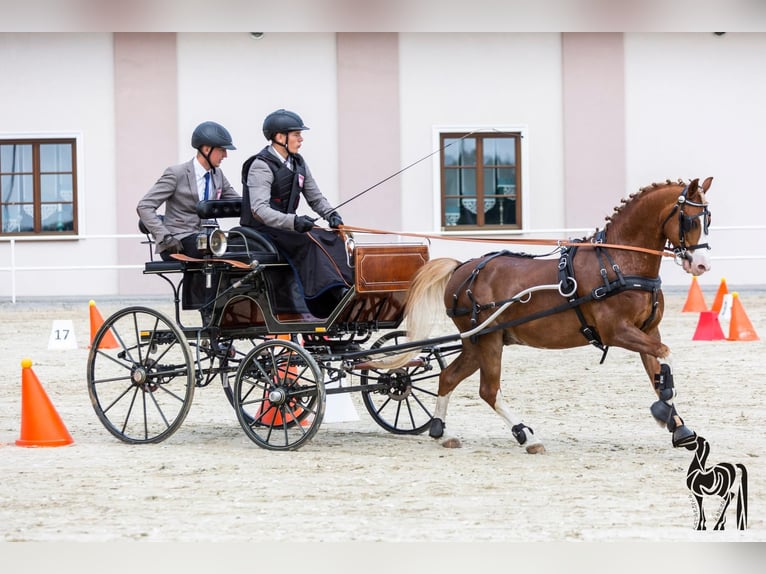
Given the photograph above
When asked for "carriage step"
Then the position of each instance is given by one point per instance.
(412, 364)
(298, 317)
(164, 266)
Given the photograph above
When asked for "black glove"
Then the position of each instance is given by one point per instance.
(334, 220)
(171, 245)
(303, 223)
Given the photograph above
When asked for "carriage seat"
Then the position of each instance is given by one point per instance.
(158, 265)
(247, 243)
(244, 243)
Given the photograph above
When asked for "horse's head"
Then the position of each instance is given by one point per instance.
(686, 228)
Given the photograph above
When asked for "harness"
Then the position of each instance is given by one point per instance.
(686, 223)
(567, 284)
(567, 288)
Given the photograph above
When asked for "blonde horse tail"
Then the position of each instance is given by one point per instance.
(425, 300)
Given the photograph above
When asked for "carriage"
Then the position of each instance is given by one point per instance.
(276, 361)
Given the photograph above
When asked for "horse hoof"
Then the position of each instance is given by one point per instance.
(536, 448)
(684, 436)
(436, 429)
(452, 442)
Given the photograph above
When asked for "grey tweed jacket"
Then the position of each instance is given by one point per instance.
(177, 189)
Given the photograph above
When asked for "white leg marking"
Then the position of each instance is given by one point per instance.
(533, 444)
(440, 411)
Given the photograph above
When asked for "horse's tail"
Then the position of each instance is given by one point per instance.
(742, 498)
(425, 300)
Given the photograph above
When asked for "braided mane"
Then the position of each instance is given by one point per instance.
(643, 190)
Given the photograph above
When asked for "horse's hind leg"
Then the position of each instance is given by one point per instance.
(462, 367)
(490, 392)
(521, 432)
(664, 410)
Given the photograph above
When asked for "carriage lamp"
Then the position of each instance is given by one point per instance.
(218, 242)
(202, 243)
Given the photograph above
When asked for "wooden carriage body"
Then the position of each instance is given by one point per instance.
(254, 299)
(383, 273)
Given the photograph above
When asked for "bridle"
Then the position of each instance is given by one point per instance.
(685, 224)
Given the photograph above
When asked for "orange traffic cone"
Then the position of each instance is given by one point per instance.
(269, 414)
(96, 320)
(718, 301)
(740, 327)
(41, 425)
(708, 327)
(695, 300)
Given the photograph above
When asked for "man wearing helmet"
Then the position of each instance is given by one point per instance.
(273, 182)
(181, 187)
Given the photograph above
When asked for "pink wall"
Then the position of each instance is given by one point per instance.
(368, 127)
(594, 126)
(146, 127)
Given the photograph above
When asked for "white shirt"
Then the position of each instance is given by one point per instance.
(200, 172)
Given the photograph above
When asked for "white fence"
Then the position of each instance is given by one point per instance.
(734, 251)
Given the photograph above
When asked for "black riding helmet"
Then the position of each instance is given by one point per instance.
(213, 135)
(282, 122)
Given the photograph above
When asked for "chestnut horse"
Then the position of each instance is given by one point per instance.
(603, 290)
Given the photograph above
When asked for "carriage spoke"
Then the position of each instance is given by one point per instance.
(279, 395)
(141, 390)
(400, 399)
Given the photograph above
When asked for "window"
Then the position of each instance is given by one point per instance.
(481, 180)
(38, 187)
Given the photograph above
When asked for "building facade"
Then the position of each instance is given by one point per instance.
(591, 117)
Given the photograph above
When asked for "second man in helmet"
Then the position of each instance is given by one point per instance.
(274, 180)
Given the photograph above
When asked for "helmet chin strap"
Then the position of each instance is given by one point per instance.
(207, 158)
(284, 145)
(274, 142)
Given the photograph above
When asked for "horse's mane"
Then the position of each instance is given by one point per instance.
(625, 201)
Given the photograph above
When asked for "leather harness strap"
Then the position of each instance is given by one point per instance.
(567, 287)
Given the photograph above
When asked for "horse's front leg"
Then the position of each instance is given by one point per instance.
(701, 509)
(664, 409)
(655, 356)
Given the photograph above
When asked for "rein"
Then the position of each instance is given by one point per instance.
(526, 241)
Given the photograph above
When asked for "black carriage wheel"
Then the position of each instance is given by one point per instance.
(140, 376)
(405, 404)
(279, 395)
(237, 349)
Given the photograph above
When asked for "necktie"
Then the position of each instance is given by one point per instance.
(207, 184)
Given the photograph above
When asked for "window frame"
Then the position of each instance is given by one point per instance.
(522, 179)
(35, 140)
